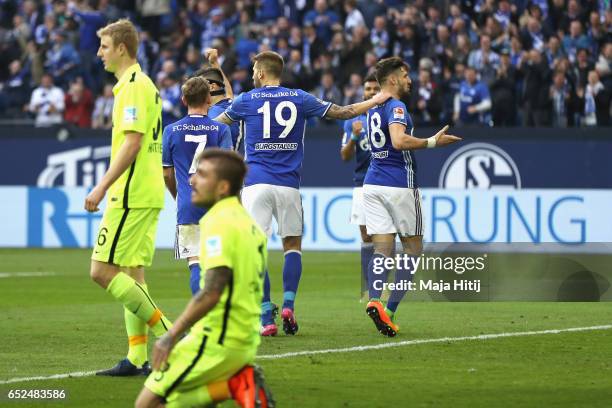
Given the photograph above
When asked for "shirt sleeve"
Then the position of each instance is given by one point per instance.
(166, 148)
(225, 138)
(396, 112)
(216, 246)
(236, 110)
(314, 107)
(133, 114)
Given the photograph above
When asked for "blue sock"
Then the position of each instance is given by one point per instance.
(266, 304)
(367, 250)
(401, 274)
(376, 280)
(292, 271)
(194, 278)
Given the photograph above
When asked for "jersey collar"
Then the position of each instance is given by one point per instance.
(127, 75)
(223, 203)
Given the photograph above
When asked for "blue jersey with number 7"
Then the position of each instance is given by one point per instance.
(274, 125)
(182, 142)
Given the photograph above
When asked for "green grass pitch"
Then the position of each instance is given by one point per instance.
(62, 323)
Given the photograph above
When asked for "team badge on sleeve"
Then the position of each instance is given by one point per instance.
(129, 114)
(213, 246)
(398, 113)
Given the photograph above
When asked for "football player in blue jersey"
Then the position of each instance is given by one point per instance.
(392, 200)
(355, 144)
(274, 120)
(182, 143)
(221, 94)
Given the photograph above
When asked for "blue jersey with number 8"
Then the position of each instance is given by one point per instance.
(274, 125)
(182, 143)
(389, 166)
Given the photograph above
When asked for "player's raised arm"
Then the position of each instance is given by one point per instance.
(356, 109)
(203, 302)
(350, 139)
(125, 157)
(403, 141)
(213, 58)
(233, 113)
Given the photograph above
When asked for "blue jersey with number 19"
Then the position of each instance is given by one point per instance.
(274, 125)
(182, 142)
(389, 166)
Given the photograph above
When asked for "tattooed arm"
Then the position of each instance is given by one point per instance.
(356, 109)
(214, 283)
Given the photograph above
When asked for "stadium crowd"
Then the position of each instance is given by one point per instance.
(502, 63)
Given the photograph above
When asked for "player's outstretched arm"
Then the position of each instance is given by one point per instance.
(222, 118)
(213, 58)
(170, 180)
(214, 283)
(356, 109)
(403, 141)
(125, 157)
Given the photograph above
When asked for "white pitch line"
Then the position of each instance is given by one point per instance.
(25, 274)
(356, 348)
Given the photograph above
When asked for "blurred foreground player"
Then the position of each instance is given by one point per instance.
(274, 119)
(134, 182)
(183, 141)
(392, 200)
(213, 362)
(355, 144)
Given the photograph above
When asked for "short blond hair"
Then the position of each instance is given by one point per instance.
(122, 32)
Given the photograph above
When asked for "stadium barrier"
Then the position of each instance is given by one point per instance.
(54, 217)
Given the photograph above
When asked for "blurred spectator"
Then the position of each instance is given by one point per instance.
(484, 60)
(246, 48)
(533, 36)
(553, 50)
(560, 98)
(215, 28)
(473, 102)
(268, 10)
(354, 17)
(407, 45)
(596, 102)
(604, 65)
(312, 46)
(536, 89)
(47, 103)
(327, 90)
(78, 104)
(295, 71)
(503, 92)
(90, 21)
(380, 37)
(15, 92)
(170, 92)
(102, 116)
(62, 59)
(575, 41)
(425, 100)
(322, 19)
(353, 92)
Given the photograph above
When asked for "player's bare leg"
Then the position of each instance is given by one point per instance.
(147, 399)
(367, 250)
(292, 271)
(377, 276)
